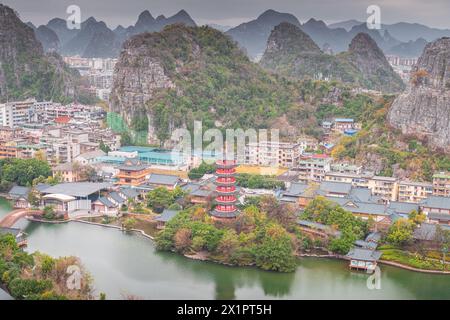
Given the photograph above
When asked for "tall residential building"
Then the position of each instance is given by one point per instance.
(415, 192)
(384, 187)
(313, 169)
(270, 153)
(441, 184)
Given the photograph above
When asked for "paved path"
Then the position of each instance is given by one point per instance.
(11, 218)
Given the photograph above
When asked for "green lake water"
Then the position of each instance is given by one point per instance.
(123, 264)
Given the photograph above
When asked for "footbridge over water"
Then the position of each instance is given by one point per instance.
(11, 218)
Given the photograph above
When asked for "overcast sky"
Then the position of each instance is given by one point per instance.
(434, 13)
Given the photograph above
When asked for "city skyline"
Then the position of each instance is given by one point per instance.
(113, 13)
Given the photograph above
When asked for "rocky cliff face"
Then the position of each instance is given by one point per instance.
(423, 110)
(138, 77)
(291, 52)
(25, 71)
(377, 73)
(184, 74)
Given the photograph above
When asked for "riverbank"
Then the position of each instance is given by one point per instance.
(203, 256)
(80, 220)
(138, 269)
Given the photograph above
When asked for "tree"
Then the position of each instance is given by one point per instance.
(129, 223)
(400, 233)
(228, 244)
(105, 148)
(33, 198)
(126, 139)
(416, 217)
(282, 213)
(40, 155)
(49, 213)
(442, 238)
(161, 198)
(201, 170)
(182, 239)
(276, 251)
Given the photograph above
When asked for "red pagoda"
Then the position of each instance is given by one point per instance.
(226, 190)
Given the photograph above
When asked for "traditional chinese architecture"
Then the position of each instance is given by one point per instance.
(226, 191)
(132, 172)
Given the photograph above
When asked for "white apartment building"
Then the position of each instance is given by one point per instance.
(357, 180)
(414, 192)
(271, 153)
(14, 114)
(384, 187)
(313, 169)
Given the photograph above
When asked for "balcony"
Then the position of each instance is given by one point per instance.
(226, 181)
(226, 200)
(221, 189)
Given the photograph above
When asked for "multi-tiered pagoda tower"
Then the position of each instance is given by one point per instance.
(226, 190)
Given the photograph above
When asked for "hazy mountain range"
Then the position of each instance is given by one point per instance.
(95, 39)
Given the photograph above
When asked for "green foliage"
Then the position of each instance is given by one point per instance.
(126, 139)
(400, 232)
(259, 241)
(23, 171)
(215, 80)
(324, 211)
(129, 223)
(12, 262)
(49, 213)
(29, 288)
(161, 198)
(201, 170)
(256, 181)
(275, 251)
(104, 147)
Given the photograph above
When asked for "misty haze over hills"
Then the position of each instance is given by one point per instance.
(95, 39)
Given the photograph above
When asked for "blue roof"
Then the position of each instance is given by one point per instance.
(343, 120)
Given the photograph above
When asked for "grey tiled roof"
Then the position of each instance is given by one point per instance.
(133, 164)
(361, 194)
(403, 207)
(364, 254)
(129, 192)
(116, 197)
(366, 245)
(106, 202)
(190, 187)
(360, 207)
(167, 215)
(319, 226)
(439, 216)
(437, 202)
(19, 192)
(77, 189)
(335, 187)
(42, 186)
(426, 231)
(163, 179)
(373, 237)
(296, 189)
